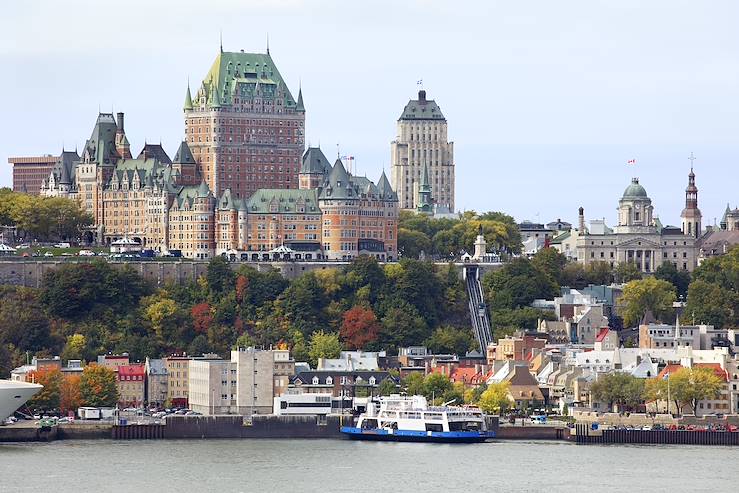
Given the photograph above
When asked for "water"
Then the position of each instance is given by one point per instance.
(341, 465)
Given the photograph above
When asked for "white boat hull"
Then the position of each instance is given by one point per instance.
(14, 394)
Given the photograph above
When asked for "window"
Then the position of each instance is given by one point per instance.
(315, 380)
(329, 381)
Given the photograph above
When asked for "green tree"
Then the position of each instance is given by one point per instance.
(518, 284)
(412, 243)
(435, 386)
(550, 262)
(678, 278)
(402, 326)
(98, 386)
(711, 303)
(413, 384)
(651, 294)
(302, 304)
(599, 273)
(220, 277)
(626, 272)
(387, 387)
(495, 400)
(450, 340)
(620, 389)
(323, 345)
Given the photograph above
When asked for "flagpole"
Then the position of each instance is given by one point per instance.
(668, 393)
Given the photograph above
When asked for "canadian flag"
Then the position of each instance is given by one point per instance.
(631, 161)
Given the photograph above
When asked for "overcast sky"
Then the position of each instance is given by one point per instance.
(546, 101)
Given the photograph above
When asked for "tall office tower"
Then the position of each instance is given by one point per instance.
(422, 141)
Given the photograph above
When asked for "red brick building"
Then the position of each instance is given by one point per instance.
(245, 129)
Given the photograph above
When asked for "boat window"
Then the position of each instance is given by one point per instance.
(434, 427)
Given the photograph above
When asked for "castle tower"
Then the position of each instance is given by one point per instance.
(422, 140)
(691, 215)
(122, 146)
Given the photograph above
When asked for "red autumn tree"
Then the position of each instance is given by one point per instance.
(201, 317)
(359, 327)
(242, 283)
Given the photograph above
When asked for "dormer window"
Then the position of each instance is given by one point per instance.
(315, 380)
(329, 381)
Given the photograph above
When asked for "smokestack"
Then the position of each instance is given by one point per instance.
(421, 96)
(119, 122)
(581, 220)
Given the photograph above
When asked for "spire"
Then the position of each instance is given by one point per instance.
(301, 107)
(188, 98)
(268, 43)
(221, 40)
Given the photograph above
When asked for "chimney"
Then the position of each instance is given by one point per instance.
(581, 220)
(119, 122)
(422, 96)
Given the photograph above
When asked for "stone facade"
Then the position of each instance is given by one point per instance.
(640, 237)
(422, 141)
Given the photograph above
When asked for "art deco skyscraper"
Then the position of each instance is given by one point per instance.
(422, 141)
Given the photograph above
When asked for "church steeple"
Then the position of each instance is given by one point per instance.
(425, 205)
(691, 215)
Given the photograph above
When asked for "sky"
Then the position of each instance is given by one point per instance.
(546, 101)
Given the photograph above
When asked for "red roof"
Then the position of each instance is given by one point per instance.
(131, 370)
(602, 334)
(720, 372)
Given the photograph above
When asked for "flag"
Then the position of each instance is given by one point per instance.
(420, 82)
(631, 161)
(348, 158)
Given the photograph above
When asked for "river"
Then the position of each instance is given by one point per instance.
(342, 465)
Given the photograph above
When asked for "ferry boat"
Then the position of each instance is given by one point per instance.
(411, 419)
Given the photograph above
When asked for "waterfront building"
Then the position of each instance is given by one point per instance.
(177, 368)
(211, 386)
(30, 172)
(244, 127)
(640, 237)
(156, 382)
(338, 382)
(113, 361)
(130, 383)
(658, 335)
(718, 405)
(421, 142)
(351, 361)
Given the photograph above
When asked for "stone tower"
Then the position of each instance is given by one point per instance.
(422, 140)
(691, 215)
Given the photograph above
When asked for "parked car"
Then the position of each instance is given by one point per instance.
(62, 245)
(86, 253)
(48, 254)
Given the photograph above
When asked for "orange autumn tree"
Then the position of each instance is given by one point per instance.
(359, 327)
(242, 283)
(201, 317)
(70, 396)
(98, 386)
(48, 397)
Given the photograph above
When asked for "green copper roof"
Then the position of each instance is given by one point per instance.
(101, 144)
(301, 106)
(282, 201)
(634, 190)
(422, 109)
(250, 70)
(188, 100)
(184, 155)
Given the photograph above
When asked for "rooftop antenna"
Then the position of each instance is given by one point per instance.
(221, 40)
(268, 43)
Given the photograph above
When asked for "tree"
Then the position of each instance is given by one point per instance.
(402, 326)
(691, 385)
(23, 322)
(70, 396)
(620, 389)
(494, 400)
(450, 340)
(678, 278)
(160, 311)
(710, 303)
(359, 327)
(550, 262)
(412, 243)
(518, 284)
(651, 294)
(75, 347)
(387, 387)
(323, 345)
(599, 273)
(436, 385)
(302, 304)
(220, 277)
(413, 384)
(98, 386)
(202, 317)
(626, 271)
(47, 398)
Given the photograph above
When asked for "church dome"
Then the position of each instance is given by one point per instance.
(634, 190)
